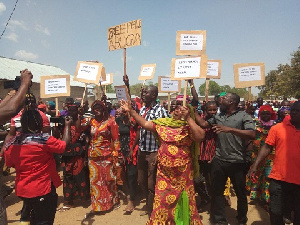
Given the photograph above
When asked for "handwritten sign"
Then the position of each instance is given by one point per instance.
(89, 72)
(55, 86)
(122, 93)
(191, 42)
(165, 84)
(214, 69)
(189, 68)
(249, 74)
(147, 72)
(109, 79)
(125, 35)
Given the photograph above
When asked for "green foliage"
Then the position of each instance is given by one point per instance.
(284, 81)
(110, 89)
(136, 89)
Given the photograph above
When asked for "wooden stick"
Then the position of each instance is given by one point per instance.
(144, 83)
(206, 89)
(249, 93)
(124, 56)
(56, 108)
(105, 89)
(169, 102)
(84, 93)
(184, 94)
(98, 92)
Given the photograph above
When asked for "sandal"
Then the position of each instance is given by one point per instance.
(63, 209)
(129, 208)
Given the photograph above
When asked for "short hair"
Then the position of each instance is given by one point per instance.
(154, 89)
(31, 120)
(71, 100)
(210, 103)
(234, 98)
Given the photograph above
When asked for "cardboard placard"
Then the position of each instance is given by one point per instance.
(189, 68)
(55, 86)
(249, 74)
(191, 42)
(125, 35)
(214, 69)
(89, 72)
(147, 72)
(122, 93)
(166, 85)
(109, 79)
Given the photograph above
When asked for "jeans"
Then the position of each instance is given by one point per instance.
(147, 176)
(279, 191)
(220, 171)
(42, 208)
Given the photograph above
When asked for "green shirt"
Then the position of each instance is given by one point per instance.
(230, 147)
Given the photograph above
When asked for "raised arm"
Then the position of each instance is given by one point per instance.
(126, 82)
(148, 125)
(193, 91)
(12, 106)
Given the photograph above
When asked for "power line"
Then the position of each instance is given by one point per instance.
(9, 19)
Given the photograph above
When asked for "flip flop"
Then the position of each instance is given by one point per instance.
(63, 209)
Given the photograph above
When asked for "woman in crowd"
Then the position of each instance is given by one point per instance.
(103, 151)
(174, 200)
(74, 163)
(259, 186)
(31, 153)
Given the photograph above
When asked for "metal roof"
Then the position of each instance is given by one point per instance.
(10, 68)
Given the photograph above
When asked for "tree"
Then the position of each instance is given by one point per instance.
(136, 89)
(213, 88)
(110, 89)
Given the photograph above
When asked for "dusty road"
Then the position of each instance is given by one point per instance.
(74, 216)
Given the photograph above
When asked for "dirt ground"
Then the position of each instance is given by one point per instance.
(74, 216)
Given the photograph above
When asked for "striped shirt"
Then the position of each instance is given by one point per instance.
(147, 140)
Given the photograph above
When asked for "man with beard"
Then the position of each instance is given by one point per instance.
(233, 128)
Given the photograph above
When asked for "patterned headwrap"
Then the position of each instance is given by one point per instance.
(98, 102)
(267, 108)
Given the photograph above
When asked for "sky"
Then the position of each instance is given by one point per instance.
(62, 32)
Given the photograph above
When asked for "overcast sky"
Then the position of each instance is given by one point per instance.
(63, 32)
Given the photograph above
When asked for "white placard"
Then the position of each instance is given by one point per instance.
(169, 85)
(249, 73)
(212, 68)
(191, 42)
(187, 67)
(147, 71)
(121, 93)
(56, 86)
(107, 80)
(88, 72)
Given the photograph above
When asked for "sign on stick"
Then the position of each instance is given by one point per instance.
(55, 86)
(122, 93)
(249, 74)
(125, 35)
(165, 84)
(147, 72)
(109, 79)
(89, 72)
(214, 69)
(189, 68)
(192, 42)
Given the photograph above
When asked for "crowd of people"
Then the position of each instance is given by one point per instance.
(181, 159)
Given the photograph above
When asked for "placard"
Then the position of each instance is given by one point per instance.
(191, 42)
(109, 79)
(189, 68)
(214, 69)
(55, 86)
(125, 35)
(147, 72)
(89, 72)
(249, 74)
(166, 85)
(122, 93)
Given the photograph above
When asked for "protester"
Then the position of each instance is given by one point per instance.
(233, 128)
(74, 163)
(33, 149)
(259, 188)
(174, 189)
(284, 176)
(104, 149)
(148, 145)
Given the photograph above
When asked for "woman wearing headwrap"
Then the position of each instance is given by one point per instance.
(259, 185)
(103, 152)
(174, 201)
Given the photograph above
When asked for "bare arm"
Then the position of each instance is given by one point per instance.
(193, 90)
(67, 134)
(126, 82)
(262, 154)
(201, 122)
(12, 106)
